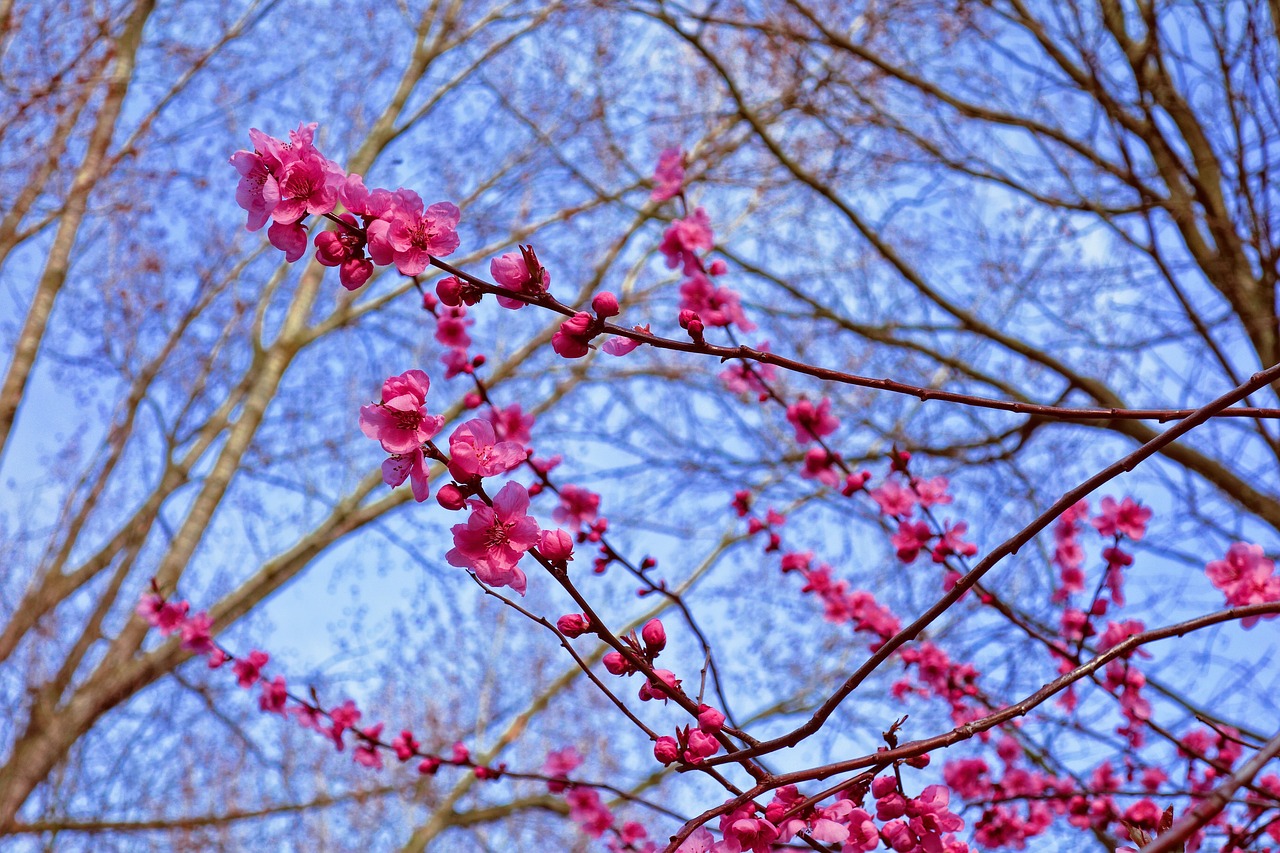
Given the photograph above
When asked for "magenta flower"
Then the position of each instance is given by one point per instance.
(476, 452)
(196, 633)
(715, 306)
(521, 272)
(259, 190)
(290, 239)
(559, 764)
(309, 184)
(577, 507)
(811, 422)
(274, 695)
(1127, 518)
(682, 241)
(412, 466)
(511, 424)
(400, 421)
(668, 177)
(415, 235)
(249, 669)
(1245, 576)
(494, 539)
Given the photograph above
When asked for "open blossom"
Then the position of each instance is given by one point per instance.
(559, 764)
(274, 695)
(248, 669)
(748, 831)
(578, 506)
(811, 422)
(494, 539)
(196, 634)
(894, 499)
(715, 306)
(415, 234)
(682, 241)
(475, 451)
(400, 421)
(588, 811)
(1245, 576)
(411, 466)
(258, 192)
(668, 177)
(308, 185)
(511, 424)
(1126, 518)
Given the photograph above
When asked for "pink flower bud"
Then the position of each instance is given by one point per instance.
(450, 290)
(450, 497)
(718, 267)
(605, 304)
(655, 636)
(574, 625)
(354, 272)
(666, 750)
(616, 664)
(429, 765)
(429, 301)
(701, 745)
(479, 361)
(556, 545)
(472, 400)
(883, 786)
(709, 719)
(687, 316)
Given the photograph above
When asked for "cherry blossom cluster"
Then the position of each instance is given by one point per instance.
(339, 725)
(284, 182)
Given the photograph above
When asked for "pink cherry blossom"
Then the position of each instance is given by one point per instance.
(258, 192)
(289, 238)
(559, 764)
(511, 424)
(248, 669)
(1245, 576)
(577, 507)
(400, 421)
(666, 750)
(274, 695)
(521, 272)
(701, 841)
(415, 235)
(451, 328)
(196, 634)
(588, 811)
(366, 752)
(748, 831)
(715, 306)
(574, 625)
(405, 745)
(1126, 518)
(894, 499)
(668, 177)
(684, 239)
(573, 337)
(912, 537)
(308, 185)
(811, 422)
(475, 451)
(398, 467)
(494, 539)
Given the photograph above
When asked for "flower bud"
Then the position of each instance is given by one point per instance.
(709, 719)
(718, 267)
(473, 400)
(450, 496)
(556, 545)
(605, 304)
(354, 272)
(450, 290)
(429, 301)
(616, 664)
(573, 625)
(666, 750)
(429, 765)
(655, 636)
